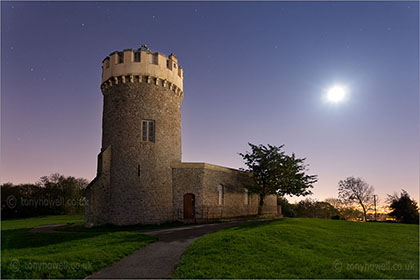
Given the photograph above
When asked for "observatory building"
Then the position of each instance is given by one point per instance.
(140, 176)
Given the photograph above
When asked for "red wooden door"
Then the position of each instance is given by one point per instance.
(189, 206)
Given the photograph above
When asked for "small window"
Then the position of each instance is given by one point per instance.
(221, 191)
(167, 64)
(148, 131)
(121, 57)
(246, 197)
(174, 65)
(155, 58)
(136, 56)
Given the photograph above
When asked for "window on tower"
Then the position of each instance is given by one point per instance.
(148, 131)
(121, 57)
(155, 58)
(136, 56)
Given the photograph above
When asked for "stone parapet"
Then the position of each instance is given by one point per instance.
(142, 62)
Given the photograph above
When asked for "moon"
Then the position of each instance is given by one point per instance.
(336, 94)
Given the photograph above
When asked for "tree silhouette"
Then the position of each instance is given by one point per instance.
(274, 172)
(356, 190)
(404, 209)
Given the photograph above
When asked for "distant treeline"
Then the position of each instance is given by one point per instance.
(52, 195)
(310, 208)
(402, 209)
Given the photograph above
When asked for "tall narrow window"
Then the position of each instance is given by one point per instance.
(152, 131)
(221, 191)
(121, 57)
(148, 131)
(144, 131)
(136, 56)
(246, 197)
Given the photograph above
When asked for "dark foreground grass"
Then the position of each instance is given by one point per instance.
(114, 228)
(305, 248)
(61, 255)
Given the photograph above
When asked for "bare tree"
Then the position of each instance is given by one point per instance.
(356, 190)
(335, 202)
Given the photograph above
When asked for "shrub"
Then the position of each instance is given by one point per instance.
(52, 195)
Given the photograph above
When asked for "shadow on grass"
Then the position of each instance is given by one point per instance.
(21, 238)
(114, 228)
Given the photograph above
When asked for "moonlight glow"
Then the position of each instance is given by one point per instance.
(336, 94)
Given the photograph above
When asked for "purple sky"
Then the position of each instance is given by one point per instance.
(253, 72)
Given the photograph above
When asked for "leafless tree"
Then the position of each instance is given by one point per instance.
(335, 202)
(356, 190)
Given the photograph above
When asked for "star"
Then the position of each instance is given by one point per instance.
(32, 69)
(83, 25)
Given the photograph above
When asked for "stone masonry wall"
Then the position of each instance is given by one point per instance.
(98, 194)
(186, 180)
(204, 181)
(234, 201)
(146, 198)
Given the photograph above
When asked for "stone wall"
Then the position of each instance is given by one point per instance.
(205, 180)
(140, 180)
(98, 195)
(166, 68)
(186, 180)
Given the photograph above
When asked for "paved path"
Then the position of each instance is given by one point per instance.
(159, 259)
(46, 228)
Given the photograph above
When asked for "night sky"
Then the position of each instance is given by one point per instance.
(253, 72)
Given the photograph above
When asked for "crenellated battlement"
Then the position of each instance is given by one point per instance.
(127, 79)
(142, 64)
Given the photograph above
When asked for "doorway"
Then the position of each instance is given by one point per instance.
(189, 206)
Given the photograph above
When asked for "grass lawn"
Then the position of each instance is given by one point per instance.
(112, 228)
(61, 255)
(305, 248)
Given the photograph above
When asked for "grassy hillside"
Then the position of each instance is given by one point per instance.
(305, 248)
(61, 255)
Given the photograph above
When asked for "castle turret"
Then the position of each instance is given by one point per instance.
(141, 137)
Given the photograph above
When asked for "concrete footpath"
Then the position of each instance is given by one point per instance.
(158, 260)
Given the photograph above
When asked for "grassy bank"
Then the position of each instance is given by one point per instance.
(305, 248)
(61, 255)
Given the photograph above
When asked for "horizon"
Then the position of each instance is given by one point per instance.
(254, 72)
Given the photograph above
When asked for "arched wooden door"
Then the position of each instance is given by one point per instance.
(189, 206)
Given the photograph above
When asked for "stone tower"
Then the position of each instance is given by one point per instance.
(141, 137)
